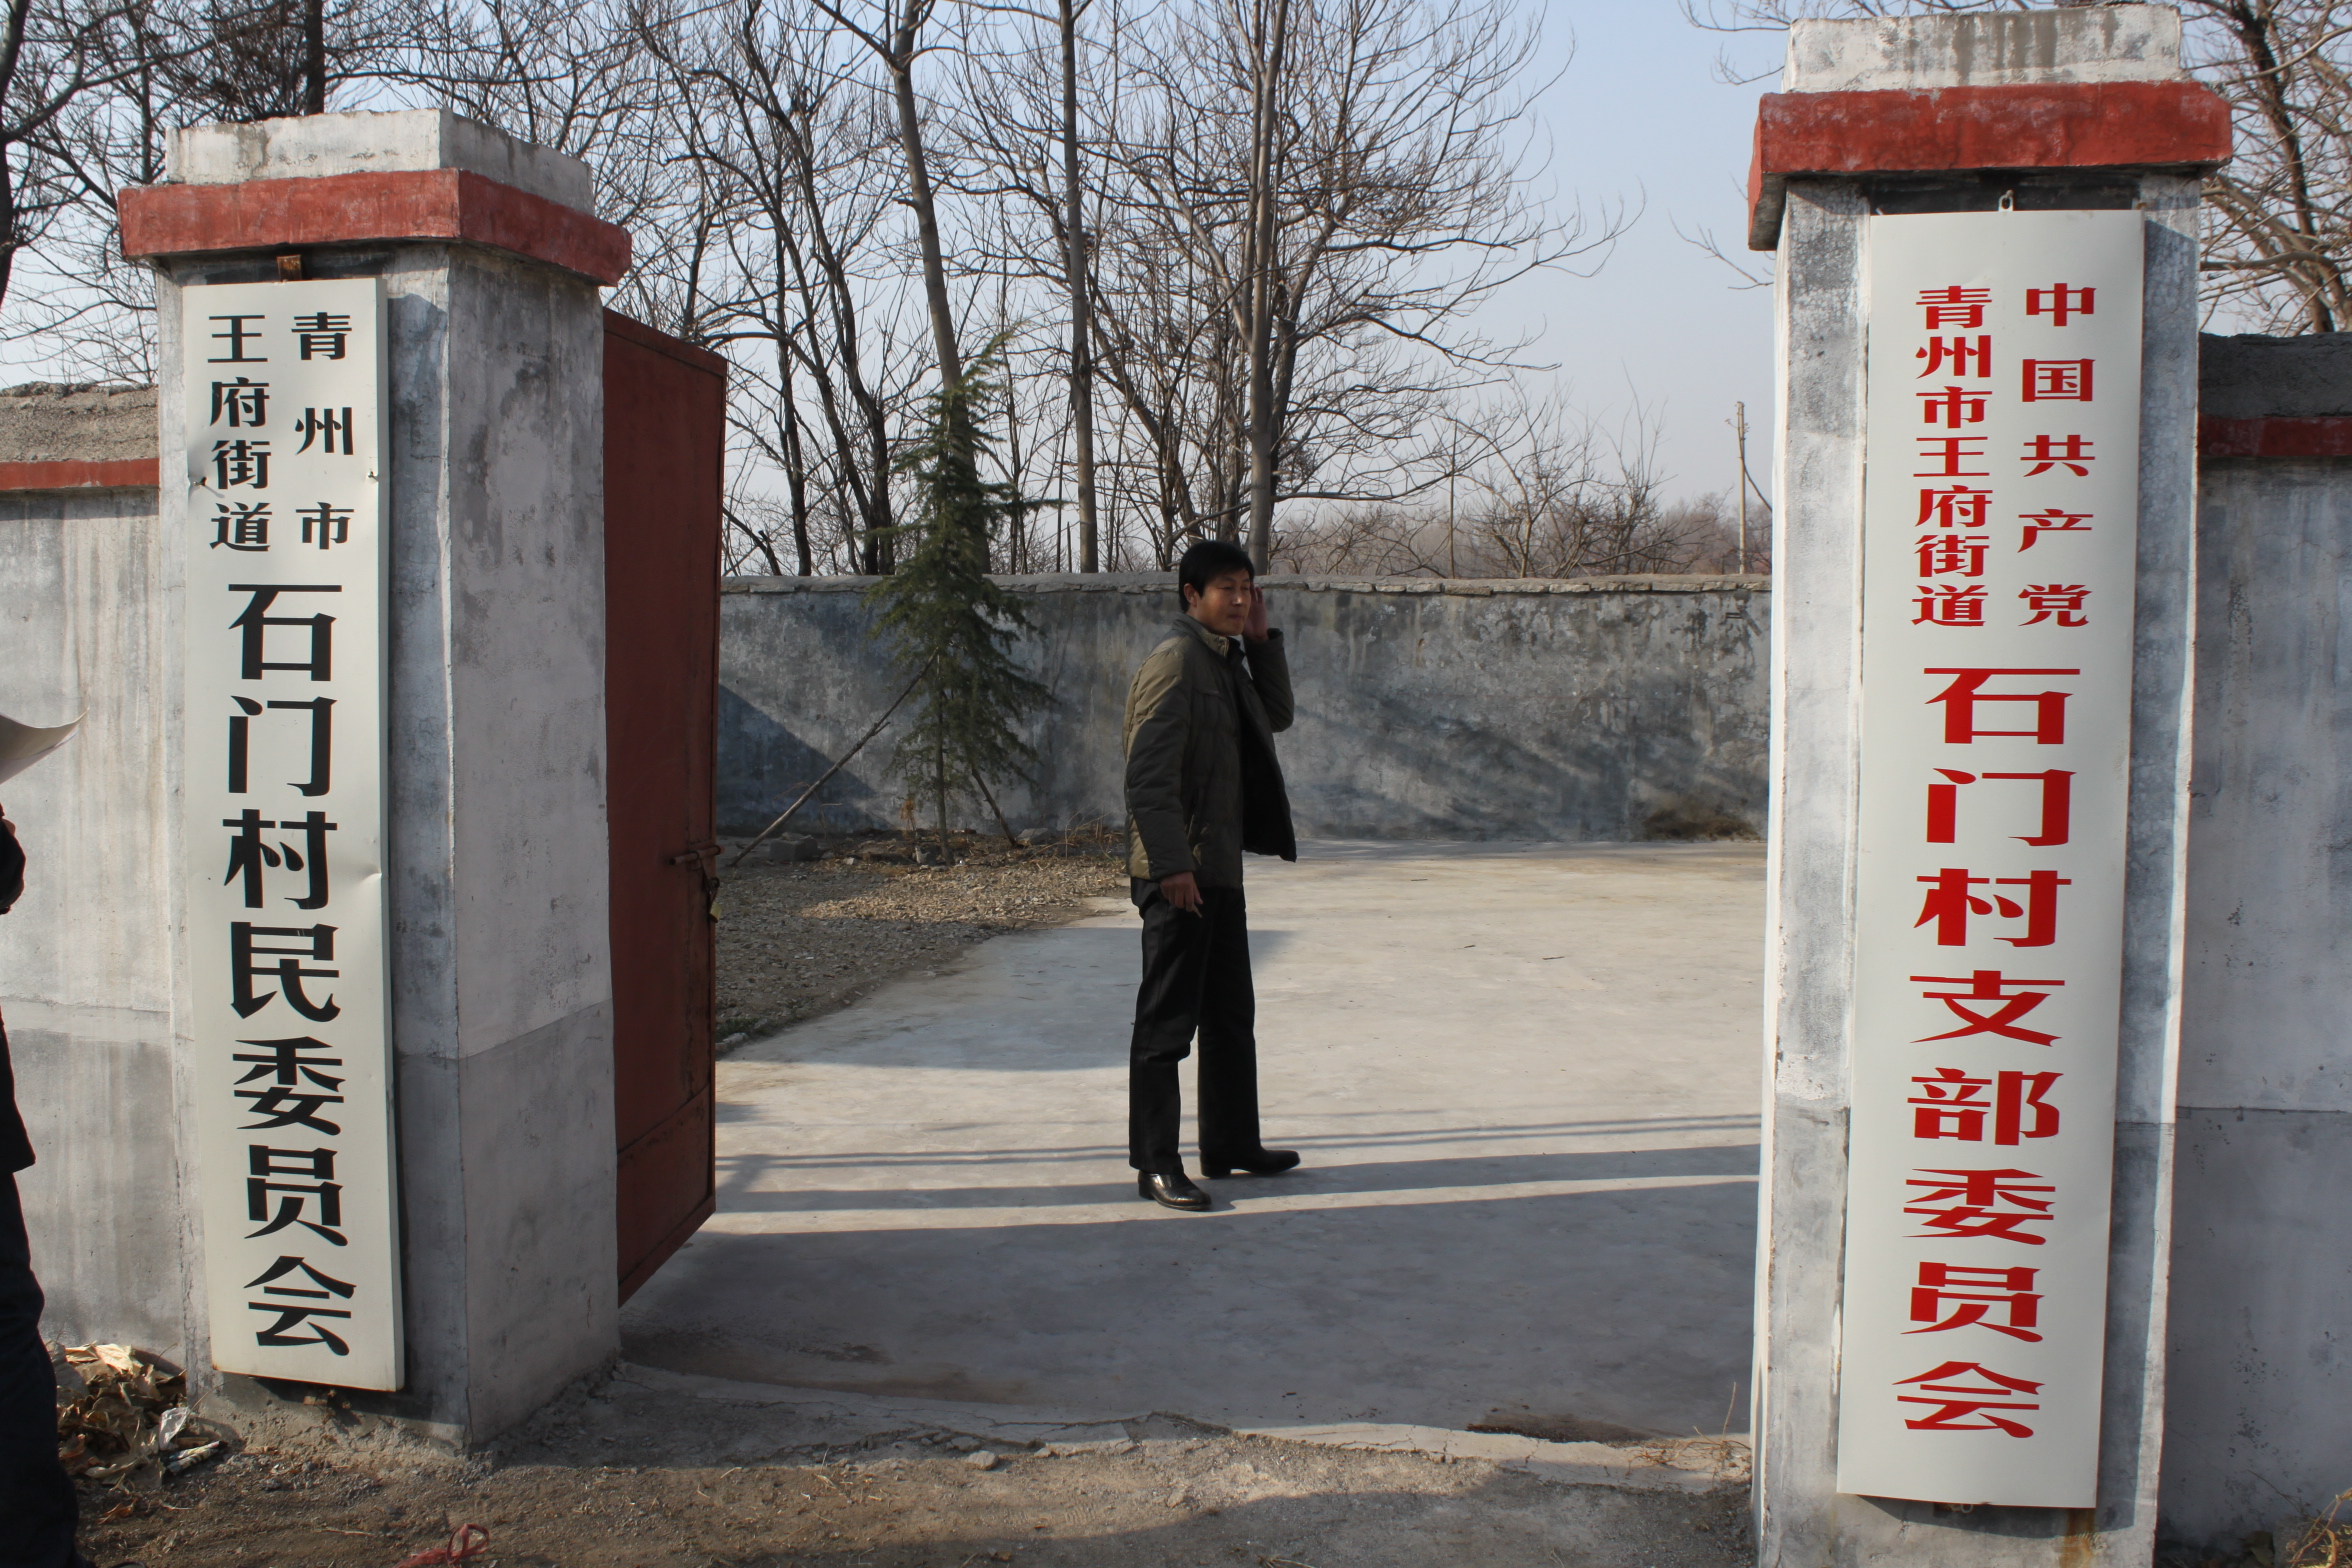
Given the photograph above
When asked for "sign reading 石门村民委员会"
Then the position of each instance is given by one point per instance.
(284, 800)
(1998, 531)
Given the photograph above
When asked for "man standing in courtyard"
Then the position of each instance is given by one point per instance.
(1202, 787)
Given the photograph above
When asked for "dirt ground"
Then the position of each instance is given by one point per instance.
(617, 1475)
(803, 939)
(621, 1479)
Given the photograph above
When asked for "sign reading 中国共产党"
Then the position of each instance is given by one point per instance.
(1999, 524)
(284, 801)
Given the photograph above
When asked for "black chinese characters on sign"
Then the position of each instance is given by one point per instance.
(285, 814)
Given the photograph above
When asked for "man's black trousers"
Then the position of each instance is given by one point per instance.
(1196, 979)
(36, 1500)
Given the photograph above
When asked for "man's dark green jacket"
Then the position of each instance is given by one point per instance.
(1202, 782)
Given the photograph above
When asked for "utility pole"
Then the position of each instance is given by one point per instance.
(1453, 467)
(1081, 301)
(1739, 423)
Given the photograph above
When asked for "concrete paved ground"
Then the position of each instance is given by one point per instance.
(1525, 1081)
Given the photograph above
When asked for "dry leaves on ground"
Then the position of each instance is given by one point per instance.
(122, 1417)
(2325, 1542)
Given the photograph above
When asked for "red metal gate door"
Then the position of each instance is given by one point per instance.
(664, 444)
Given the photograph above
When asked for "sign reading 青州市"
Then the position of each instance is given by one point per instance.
(1999, 523)
(284, 800)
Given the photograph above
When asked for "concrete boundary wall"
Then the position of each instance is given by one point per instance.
(89, 625)
(2258, 1407)
(1609, 708)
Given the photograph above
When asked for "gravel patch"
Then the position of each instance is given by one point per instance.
(799, 940)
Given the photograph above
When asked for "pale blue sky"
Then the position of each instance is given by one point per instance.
(1639, 112)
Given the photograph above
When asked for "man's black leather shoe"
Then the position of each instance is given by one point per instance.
(1266, 1162)
(1175, 1192)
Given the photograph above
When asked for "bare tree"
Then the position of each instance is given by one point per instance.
(1338, 185)
(2285, 199)
(58, 60)
(894, 31)
(265, 59)
(1538, 490)
(769, 106)
(2277, 259)
(1231, 248)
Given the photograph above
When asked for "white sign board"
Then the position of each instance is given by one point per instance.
(285, 823)
(2000, 508)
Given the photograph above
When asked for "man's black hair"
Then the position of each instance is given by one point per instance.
(1205, 561)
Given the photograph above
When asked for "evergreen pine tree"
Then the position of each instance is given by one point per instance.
(947, 621)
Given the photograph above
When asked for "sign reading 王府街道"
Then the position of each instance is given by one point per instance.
(284, 801)
(1999, 528)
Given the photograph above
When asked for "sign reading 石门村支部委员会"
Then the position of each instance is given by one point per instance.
(1998, 543)
(284, 801)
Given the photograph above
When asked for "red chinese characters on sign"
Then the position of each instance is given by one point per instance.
(1990, 799)
(1943, 804)
(2057, 380)
(2072, 453)
(1966, 694)
(1998, 1203)
(1990, 792)
(1966, 1395)
(2051, 520)
(1960, 1295)
(2060, 301)
(1953, 555)
(1954, 406)
(1958, 356)
(1961, 506)
(1990, 986)
(1951, 452)
(2061, 603)
(1955, 306)
(1949, 605)
(1949, 904)
(1948, 1104)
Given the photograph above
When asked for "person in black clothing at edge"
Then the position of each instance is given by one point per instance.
(37, 1507)
(1202, 787)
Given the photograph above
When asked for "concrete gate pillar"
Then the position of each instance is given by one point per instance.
(2040, 112)
(498, 967)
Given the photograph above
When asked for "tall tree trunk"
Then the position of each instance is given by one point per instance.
(314, 56)
(897, 53)
(795, 461)
(939, 760)
(1264, 131)
(2256, 30)
(1016, 520)
(870, 546)
(11, 56)
(881, 557)
(910, 137)
(9, 243)
(1081, 298)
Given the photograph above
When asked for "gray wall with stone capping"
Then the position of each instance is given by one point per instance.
(1606, 708)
